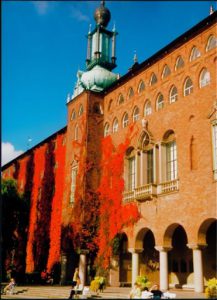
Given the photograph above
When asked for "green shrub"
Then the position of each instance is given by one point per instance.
(143, 282)
(211, 289)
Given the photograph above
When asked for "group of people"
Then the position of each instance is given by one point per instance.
(46, 277)
(75, 284)
(154, 292)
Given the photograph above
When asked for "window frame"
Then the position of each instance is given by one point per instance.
(173, 98)
(195, 54)
(125, 123)
(159, 106)
(136, 114)
(106, 129)
(204, 82)
(145, 108)
(188, 90)
(115, 125)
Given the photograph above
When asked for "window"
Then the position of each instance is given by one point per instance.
(166, 71)
(125, 120)
(73, 116)
(81, 110)
(106, 129)
(115, 125)
(212, 43)
(141, 86)
(73, 184)
(188, 86)
(171, 161)
(173, 94)
(130, 93)
(110, 104)
(179, 63)
(204, 78)
(120, 99)
(195, 53)
(153, 79)
(214, 137)
(136, 114)
(148, 109)
(160, 102)
(131, 173)
(150, 166)
(76, 132)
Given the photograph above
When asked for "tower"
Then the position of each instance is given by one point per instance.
(101, 57)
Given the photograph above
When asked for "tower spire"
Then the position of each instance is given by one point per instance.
(211, 10)
(103, 3)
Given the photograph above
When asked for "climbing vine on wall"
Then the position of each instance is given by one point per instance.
(114, 215)
(55, 224)
(44, 204)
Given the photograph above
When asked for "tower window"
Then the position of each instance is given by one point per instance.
(131, 173)
(81, 110)
(171, 161)
(76, 132)
(73, 184)
(73, 115)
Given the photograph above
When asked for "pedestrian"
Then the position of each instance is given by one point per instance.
(157, 293)
(136, 292)
(76, 278)
(10, 287)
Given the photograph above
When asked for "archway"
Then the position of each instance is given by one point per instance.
(180, 261)
(125, 270)
(149, 257)
(207, 236)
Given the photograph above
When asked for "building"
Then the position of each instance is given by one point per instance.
(131, 181)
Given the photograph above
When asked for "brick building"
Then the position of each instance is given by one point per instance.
(164, 112)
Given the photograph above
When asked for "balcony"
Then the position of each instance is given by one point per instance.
(168, 187)
(149, 191)
(145, 192)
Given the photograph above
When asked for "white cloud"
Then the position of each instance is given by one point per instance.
(9, 152)
(41, 7)
(79, 16)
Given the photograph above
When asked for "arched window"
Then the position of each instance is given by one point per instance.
(195, 53)
(141, 86)
(81, 110)
(73, 184)
(160, 102)
(130, 93)
(179, 63)
(136, 114)
(76, 132)
(166, 71)
(204, 78)
(115, 125)
(153, 79)
(173, 94)
(147, 109)
(188, 86)
(73, 115)
(106, 130)
(125, 120)
(120, 99)
(110, 105)
(97, 109)
(211, 43)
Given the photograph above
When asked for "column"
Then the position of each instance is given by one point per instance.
(83, 266)
(164, 279)
(154, 165)
(160, 163)
(63, 268)
(198, 267)
(135, 263)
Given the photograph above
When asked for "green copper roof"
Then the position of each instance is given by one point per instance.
(97, 79)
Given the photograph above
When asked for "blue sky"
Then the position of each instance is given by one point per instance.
(44, 44)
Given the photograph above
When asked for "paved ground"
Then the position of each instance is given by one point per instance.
(62, 292)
